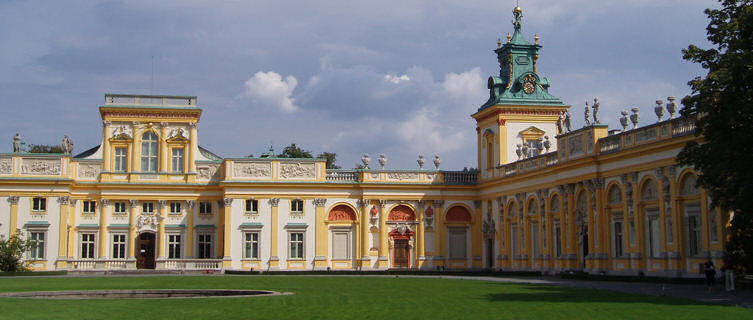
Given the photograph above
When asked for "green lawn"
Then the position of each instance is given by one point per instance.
(349, 298)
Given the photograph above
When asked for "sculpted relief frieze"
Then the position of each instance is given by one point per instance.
(6, 165)
(400, 176)
(208, 171)
(297, 170)
(40, 167)
(89, 170)
(252, 170)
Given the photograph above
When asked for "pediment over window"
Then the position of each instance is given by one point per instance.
(177, 135)
(532, 132)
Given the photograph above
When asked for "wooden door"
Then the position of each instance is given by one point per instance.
(145, 251)
(401, 254)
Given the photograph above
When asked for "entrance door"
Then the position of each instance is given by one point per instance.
(145, 252)
(584, 247)
(401, 254)
(490, 253)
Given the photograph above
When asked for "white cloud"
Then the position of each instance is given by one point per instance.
(268, 88)
(396, 79)
(467, 86)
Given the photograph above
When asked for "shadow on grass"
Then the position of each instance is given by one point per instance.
(555, 294)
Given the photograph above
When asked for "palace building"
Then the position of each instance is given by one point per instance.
(545, 198)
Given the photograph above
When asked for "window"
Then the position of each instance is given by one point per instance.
(118, 246)
(534, 239)
(90, 207)
(296, 206)
(251, 245)
(693, 212)
(617, 239)
(252, 206)
(205, 207)
(147, 208)
(557, 239)
(149, 151)
(341, 245)
(489, 155)
(173, 246)
(296, 245)
(654, 234)
(178, 160)
(205, 245)
(120, 207)
(87, 246)
(457, 244)
(174, 207)
(533, 147)
(37, 252)
(39, 204)
(121, 156)
(514, 239)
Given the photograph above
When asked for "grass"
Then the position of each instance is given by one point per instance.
(320, 297)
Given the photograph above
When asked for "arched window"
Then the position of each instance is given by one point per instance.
(554, 207)
(149, 151)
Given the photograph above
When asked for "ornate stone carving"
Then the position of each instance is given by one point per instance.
(148, 222)
(400, 176)
(366, 160)
(122, 132)
(207, 171)
(190, 204)
(67, 145)
(252, 169)
(162, 203)
(227, 202)
(104, 202)
(64, 200)
(401, 213)
(341, 213)
(320, 202)
(297, 170)
(437, 161)
(274, 202)
(6, 165)
(133, 203)
(41, 166)
(13, 200)
(17, 142)
(382, 160)
(89, 170)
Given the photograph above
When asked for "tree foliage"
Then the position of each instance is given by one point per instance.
(12, 251)
(331, 157)
(293, 151)
(44, 148)
(722, 104)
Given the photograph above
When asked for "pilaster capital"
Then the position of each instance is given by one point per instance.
(104, 202)
(477, 204)
(106, 122)
(274, 202)
(13, 200)
(320, 202)
(227, 202)
(163, 124)
(64, 200)
(438, 203)
(133, 203)
(190, 204)
(192, 125)
(162, 203)
(421, 204)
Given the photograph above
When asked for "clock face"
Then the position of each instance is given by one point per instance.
(528, 87)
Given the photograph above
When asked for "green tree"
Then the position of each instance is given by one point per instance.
(722, 104)
(331, 158)
(43, 148)
(12, 251)
(293, 151)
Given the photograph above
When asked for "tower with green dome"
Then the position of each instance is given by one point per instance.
(520, 113)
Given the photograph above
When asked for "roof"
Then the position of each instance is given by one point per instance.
(87, 152)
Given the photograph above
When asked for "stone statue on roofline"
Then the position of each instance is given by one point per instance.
(587, 114)
(568, 124)
(596, 107)
(67, 145)
(560, 121)
(17, 143)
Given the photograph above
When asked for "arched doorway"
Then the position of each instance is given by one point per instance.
(145, 251)
(342, 236)
(401, 237)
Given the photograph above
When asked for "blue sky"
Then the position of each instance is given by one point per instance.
(394, 77)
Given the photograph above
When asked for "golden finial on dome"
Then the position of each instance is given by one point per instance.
(517, 9)
(499, 42)
(536, 38)
(509, 37)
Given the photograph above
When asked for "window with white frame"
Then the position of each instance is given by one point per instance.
(205, 245)
(121, 158)
(296, 245)
(87, 245)
(618, 238)
(149, 151)
(173, 246)
(174, 207)
(38, 204)
(178, 160)
(296, 206)
(533, 147)
(40, 245)
(89, 207)
(205, 207)
(341, 244)
(147, 208)
(251, 245)
(252, 206)
(119, 207)
(654, 233)
(693, 216)
(458, 243)
(118, 246)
